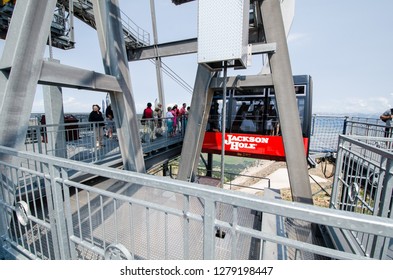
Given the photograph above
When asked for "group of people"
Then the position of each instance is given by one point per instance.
(175, 119)
(152, 120)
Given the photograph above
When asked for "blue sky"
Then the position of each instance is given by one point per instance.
(346, 46)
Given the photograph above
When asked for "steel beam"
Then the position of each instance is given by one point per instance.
(188, 46)
(242, 81)
(55, 74)
(183, 47)
(196, 124)
(286, 102)
(54, 114)
(23, 52)
(110, 36)
(160, 86)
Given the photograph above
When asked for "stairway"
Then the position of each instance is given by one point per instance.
(62, 26)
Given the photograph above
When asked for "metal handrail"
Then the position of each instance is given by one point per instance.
(207, 218)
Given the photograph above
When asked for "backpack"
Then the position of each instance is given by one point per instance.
(385, 120)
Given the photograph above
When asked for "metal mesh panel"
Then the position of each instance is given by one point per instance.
(325, 132)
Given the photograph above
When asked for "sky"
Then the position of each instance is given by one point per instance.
(346, 46)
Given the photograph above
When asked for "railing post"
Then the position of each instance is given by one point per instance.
(345, 126)
(339, 162)
(6, 197)
(380, 245)
(208, 230)
(56, 210)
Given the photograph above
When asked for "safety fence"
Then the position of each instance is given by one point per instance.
(326, 129)
(128, 215)
(367, 127)
(97, 141)
(363, 183)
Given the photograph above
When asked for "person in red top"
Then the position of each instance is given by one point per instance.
(148, 112)
(147, 120)
(183, 109)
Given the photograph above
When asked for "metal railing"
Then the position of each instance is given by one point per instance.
(365, 127)
(232, 181)
(129, 215)
(78, 140)
(364, 182)
(133, 34)
(324, 137)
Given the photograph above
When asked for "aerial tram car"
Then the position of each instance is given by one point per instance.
(253, 123)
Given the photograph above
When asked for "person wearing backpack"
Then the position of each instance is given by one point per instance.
(386, 117)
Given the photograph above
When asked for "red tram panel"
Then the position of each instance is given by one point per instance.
(247, 145)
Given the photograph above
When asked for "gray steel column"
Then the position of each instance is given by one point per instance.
(110, 35)
(54, 114)
(286, 102)
(161, 96)
(196, 124)
(21, 67)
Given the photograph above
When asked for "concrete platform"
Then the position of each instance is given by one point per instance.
(278, 180)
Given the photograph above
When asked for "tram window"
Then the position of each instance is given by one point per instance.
(249, 93)
(300, 90)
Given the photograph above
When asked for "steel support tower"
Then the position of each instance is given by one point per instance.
(23, 67)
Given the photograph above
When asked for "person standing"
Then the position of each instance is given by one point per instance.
(169, 121)
(182, 115)
(187, 113)
(98, 120)
(158, 115)
(109, 119)
(148, 120)
(148, 112)
(386, 117)
(175, 113)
